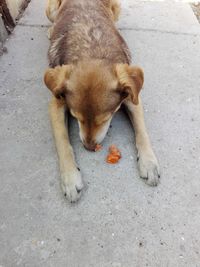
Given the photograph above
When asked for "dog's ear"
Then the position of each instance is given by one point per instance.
(130, 80)
(55, 79)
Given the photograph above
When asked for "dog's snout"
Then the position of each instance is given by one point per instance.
(90, 145)
(90, 148)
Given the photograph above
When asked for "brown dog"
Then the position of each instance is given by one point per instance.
(91, 76)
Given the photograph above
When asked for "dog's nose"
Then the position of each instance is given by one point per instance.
(90, 146)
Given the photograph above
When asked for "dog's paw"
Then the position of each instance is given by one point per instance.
(149, 168)
(72, 185)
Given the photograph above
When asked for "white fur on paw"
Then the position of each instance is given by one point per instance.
(149, 169)
(72, 185)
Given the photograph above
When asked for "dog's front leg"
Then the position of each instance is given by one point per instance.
(147, 161)
(71, 181)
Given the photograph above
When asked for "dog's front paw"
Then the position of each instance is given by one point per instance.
(72, 185)
(149, 168)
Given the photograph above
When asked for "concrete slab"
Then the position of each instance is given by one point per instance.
(170, 16)
(35, 13)
(120, 221)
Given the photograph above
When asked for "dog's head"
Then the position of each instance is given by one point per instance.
(93, 92)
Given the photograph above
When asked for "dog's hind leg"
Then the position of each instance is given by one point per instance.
(51, 12)
(147, 161)
(71, 181)
(115, 8)
(52, 9)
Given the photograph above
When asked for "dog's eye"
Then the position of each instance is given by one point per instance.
(103, 120)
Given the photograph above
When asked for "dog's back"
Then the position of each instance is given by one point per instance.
(84, 29)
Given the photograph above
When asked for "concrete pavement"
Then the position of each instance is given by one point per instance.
(120, 221)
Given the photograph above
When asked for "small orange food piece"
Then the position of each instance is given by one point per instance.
(114, 151)
(98, 147)
(112, 159)
(114, 155)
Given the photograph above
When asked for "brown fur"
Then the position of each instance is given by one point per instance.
(84, 29)
(90, 74)
(97, 92)
(96, 76)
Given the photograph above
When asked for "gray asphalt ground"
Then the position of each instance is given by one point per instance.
(120, 221)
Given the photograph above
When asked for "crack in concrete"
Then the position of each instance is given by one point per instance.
(34, 25)
(121, 29)
(159, 31)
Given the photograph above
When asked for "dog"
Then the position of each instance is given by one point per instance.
(90, 76)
